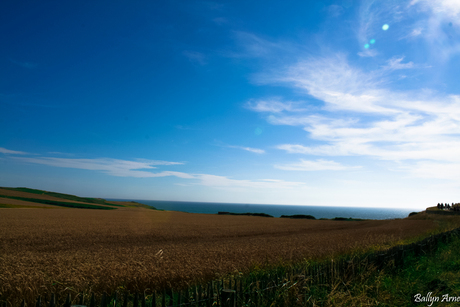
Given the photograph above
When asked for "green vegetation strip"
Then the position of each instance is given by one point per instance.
(299, 216)
(60, 203)
(427, 280)
(348, 219)
(295, 216)
(422, 281)
(99, 201)
(247, 214)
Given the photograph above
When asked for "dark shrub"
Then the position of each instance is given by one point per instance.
(299, 216)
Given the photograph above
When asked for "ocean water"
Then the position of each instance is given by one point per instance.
(278, 210)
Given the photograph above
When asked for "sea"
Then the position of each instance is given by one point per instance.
(278, 210)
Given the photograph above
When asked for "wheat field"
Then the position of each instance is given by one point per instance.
(43, 251)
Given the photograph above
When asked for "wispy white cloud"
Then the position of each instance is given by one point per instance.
(426, 19)
(139, 169)
(338, 149)
(341, 86)
(363, 116)
(61, 153)
(414, 33)
(186, 127)
(443, 41)
(335, 10)
(447, 8)
(395, 63)
(195, 57)
(221, 181)
(12, 152)
(254, 46)
(272, 105)
(344, 87)
(368, 53)
(250, 149)
(114, 167)
(434, 170)
(317, 165)
(170, 173)
(366, 20)
(372, 15)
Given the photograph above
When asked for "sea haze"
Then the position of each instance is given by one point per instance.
(278, 210)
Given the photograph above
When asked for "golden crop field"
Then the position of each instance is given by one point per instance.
(43, 251)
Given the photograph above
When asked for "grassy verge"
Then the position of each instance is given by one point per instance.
(60, 203)
(98, 201)
(421, 281)
(90, 201)
(429, 276)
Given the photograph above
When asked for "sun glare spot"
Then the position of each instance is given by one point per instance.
(385, 27)
(366, 46)
(372, 41)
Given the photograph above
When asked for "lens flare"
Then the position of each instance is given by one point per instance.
(385, 27)
(258, 131)
(372, 41)
(366, 46)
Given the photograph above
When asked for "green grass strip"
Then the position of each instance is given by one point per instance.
(60, 203)
(428, 280)
(99, 201)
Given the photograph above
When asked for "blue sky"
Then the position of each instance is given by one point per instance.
(333, 103)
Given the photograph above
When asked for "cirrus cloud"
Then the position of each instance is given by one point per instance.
(363, 116)
(11, 152)
(317, 165)
(114, 167)
(139, 169)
